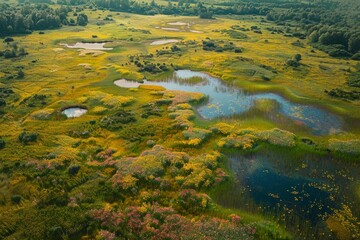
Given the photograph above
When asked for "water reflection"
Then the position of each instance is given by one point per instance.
(225, 100)
(74, 112)
(300, 190)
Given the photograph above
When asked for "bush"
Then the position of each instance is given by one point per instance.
(192, 202)
(238, 50)
(27, 138)
(292, 63)
(339, 93)
(356, 56)
(2, 143)
(339, 53)
(55, 233)
(297, 57)
(2, 102)
(73, 170)
(8, 39)
(9, 54)
(20, 74)
(354, 79)
(15, 199)
(116, 120)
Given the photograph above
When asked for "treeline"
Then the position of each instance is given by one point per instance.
(182, 7)
(332, 26)
(25, 18)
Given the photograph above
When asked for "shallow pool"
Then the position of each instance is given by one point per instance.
(74, 112)
(89, 46)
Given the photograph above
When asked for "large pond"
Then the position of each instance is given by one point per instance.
(225, 100)
(302, 191)
(88, 46)
(74, 112)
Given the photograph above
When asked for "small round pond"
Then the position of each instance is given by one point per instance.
(74, 112)
(225, 100)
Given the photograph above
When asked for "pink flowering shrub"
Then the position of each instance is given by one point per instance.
(109, 219)
(157, 222)
(104, 159)
(106, 235)
(192, 202)
(195, 137)
(163, 168)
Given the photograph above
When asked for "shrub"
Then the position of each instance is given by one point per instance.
(8, 39)
(195, 136)
(74, 169)
(339, 93)
(339, 53)
(238, 50)
(356, 56)
(192, 202)
(349, 147)
(278, 137)
(297, 57)
(354, 79)
(15, 199)
(27, 138)
(2, 143)
(20, 74)
(55, 233)
(2, 102)
(115, 121)
(246, 141)
(9, 54)
(292, 63)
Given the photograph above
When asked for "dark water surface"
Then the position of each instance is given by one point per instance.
(301, 191)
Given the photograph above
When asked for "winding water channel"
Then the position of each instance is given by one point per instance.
(225, 100)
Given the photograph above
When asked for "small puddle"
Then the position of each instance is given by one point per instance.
(130, 84)
(195, 31)
(88, 46)
(170, 29)
(74, 112)
(178, 24)
(163, 41)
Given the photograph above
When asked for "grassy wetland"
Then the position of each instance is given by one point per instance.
(179, 120)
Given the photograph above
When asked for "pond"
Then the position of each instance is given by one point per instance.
(225, 100)
(302, 191)
(178, 24)
(74, 112)
(163, 41)
(88, 46)
(170, 29)
(196, 31)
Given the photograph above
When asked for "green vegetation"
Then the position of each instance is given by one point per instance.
(29, 17)
(142, 163)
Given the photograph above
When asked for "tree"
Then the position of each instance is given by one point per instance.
(20, 74)
(74, 169)
(2, 102)
(82, 20)
(354, 43)
(2, 143)
(298, 57)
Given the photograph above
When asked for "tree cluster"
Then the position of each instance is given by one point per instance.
(25, 18)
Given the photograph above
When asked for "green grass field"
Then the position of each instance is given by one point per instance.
(78, 77)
